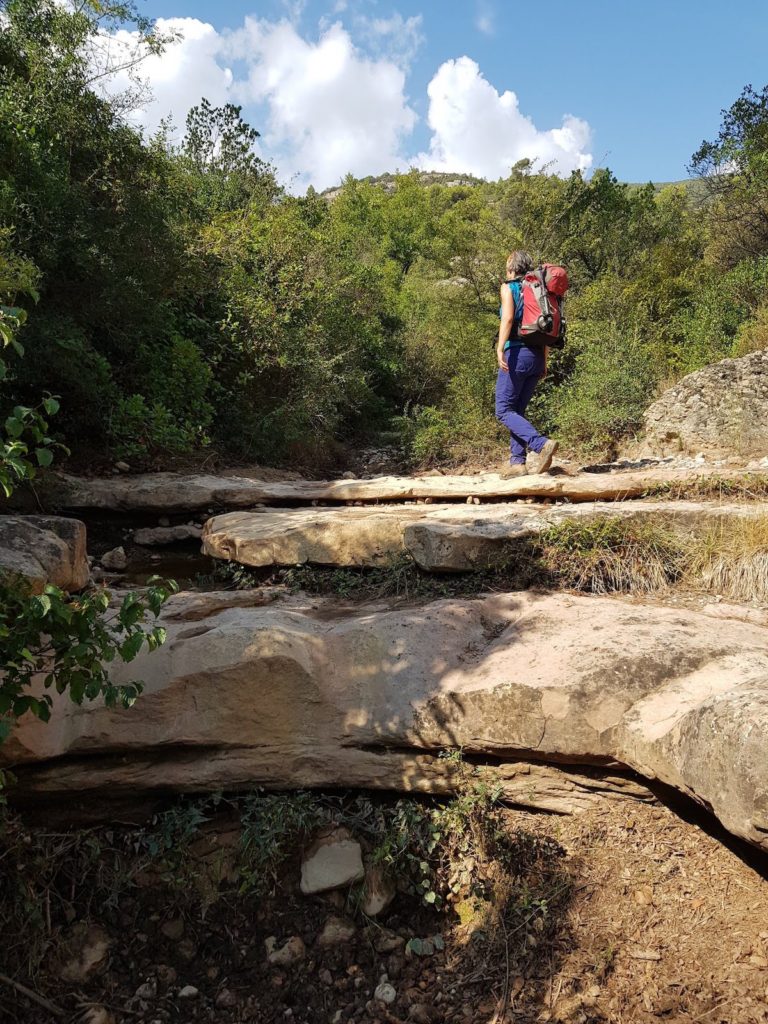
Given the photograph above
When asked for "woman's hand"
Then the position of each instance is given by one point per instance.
(500, 360)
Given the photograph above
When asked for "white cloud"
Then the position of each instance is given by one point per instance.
(189, 69)
(331, 109)
(479, 131)
(484, 19)
(396, 38)
(327, 106)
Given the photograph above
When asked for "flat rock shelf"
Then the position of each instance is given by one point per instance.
(440, 538)
(178, 492)
(286, 696)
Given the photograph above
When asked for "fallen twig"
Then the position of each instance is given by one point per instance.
(40, 1000)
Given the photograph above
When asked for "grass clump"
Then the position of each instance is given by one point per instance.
(610, 555)
(731, 559)
(747, 487)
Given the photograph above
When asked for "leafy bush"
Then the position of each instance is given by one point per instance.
(602, 404)
(68, 641)
(137, 429)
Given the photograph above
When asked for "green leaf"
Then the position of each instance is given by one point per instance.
(44, 457)
(51, 406)
(131, 647)
(14, 427)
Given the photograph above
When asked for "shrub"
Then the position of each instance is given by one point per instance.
(602, 404)
(140, 430)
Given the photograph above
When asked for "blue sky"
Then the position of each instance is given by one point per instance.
(363, 85)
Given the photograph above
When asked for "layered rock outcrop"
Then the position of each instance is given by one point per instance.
(295, 695)
(45, 549)
(722, 408)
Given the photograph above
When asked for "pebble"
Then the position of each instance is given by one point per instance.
(188, 992)
(173, 930)
(336, 931)
(421, 1013)
(187, 950)
(289, 953)
(385, 993)
(146, 991)
(226, 999)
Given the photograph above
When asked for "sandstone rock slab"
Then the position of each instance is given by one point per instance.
(45, 549)
(179, 492)
(290, 695)
(722, 408)
(440, 538)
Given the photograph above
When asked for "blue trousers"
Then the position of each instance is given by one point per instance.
(514, 391)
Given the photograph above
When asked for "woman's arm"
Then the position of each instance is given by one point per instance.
(505, 327)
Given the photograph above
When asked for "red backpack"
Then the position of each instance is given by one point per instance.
(542, 292)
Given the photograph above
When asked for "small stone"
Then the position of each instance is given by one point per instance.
(166, 975)
(187, 950)
(289, 953)
(379, 891)
(90, 946)
(325, 976)
(385, 993)
(226, 999)
(146, 991)
(163, 521)
(349, 475)
(115, 559)
(336, 932)
(387, 941)
(333, 862)
(173, 930)
(122, 467)
(421, 1013)
(188, 992)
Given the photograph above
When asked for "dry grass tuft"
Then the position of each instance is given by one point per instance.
(612, 555)
(749, 487)
(731, 559)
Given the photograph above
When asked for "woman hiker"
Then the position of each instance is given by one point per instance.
(522, 364)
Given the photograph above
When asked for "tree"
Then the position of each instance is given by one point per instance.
(734, 170)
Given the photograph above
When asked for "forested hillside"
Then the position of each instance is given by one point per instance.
(180, 302)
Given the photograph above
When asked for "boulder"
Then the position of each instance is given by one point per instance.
(179, 492)
(440, 538)
(45, 549)
(721, 409)
(115, 559)
(296, 694)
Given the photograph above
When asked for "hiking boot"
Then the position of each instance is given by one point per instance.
(540, 462)
(510, 469)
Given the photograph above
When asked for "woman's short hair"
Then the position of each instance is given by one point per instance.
(518, 263)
